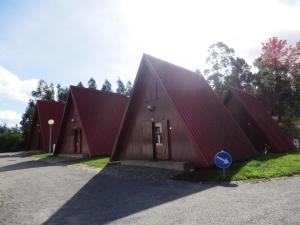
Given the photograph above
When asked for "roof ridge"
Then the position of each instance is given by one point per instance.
(98, 91)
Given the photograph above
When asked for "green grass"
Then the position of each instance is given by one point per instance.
(262, 167)
(42, 155)
(98, 162)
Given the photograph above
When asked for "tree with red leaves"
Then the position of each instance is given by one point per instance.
(277, 78)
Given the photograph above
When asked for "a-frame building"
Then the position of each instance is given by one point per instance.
(40, 131)
(91, 122)
(173, 114)
(256, 122)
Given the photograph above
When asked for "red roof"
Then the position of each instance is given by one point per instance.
(100, 113)
(44, 111)
(205, 118)
(276, 137)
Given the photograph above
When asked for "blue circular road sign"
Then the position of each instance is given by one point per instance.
(223, 160)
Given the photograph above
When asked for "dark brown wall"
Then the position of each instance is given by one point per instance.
(152, 93)
(66, 146)
(254, 134)
(36, 143)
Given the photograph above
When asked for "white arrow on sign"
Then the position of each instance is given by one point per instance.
(225, 161)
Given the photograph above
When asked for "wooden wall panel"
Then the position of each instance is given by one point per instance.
(150, 92)
(67, 132)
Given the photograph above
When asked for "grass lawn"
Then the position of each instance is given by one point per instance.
(42, 155)
(261, 167)
(98, 162)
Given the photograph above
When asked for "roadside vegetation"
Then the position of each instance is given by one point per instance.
(98, 162)
(261, 167)
(42, 155)
(10, 138)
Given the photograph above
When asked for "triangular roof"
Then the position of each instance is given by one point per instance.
(204, 117)
(44, 111)
(263, 120)
(100, 114)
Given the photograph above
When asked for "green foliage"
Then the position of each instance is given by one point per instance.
(62, 93)
(80, 84)
(262, 167)
(106, 86)
(128, 88)
(42, 155)
(121, 87)
(278, 79)
(43, 91)
(26, 121)
(98, 162)
(227, 71)
(92, 83)
(10, 139)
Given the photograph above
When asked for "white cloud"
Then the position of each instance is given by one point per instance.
(10, 118)
(13, 88)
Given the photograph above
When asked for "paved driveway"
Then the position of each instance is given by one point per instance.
(36, 192)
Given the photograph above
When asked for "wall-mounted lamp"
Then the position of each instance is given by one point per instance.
(151, 108)
(73, 120)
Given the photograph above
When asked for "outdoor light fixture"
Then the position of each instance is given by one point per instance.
(73, 120)
(151, 108)
(51, 123)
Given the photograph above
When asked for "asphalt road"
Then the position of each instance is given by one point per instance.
(36, 192)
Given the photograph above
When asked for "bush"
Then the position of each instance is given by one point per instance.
(10, 141)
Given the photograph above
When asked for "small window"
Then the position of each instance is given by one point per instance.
(158, 133)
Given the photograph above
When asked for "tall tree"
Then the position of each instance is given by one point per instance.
(128, 88)
(80, 84)
(274, 84)
(92, 83)
(121, 87)
(26, 121)
(226, 70)
(43, 91)
(106, 86)
(62, 93)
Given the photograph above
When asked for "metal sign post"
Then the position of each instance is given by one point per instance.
(223, 160)
(50, 122)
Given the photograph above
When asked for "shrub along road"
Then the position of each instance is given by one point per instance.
(37, 192)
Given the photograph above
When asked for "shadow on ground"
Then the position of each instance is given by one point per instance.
(109, 196)
(11, 159)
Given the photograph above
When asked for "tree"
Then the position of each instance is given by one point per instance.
(80, 84)
(121, 87)
(92, 83)
(43, 91)
(274, 80)
(10, 138)
(106, 86)
(49, 93)
(128, 88)
(226, 70)
(62, 93)
(26, 121)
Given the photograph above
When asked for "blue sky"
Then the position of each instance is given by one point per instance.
(68, 41)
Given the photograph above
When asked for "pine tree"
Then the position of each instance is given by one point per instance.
(121, 87)
(92, 83)
(26, 121)
(80, 84)
(62, 93)
(128, 88)
(106, 86)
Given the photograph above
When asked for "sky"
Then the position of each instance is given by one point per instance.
(72, 40)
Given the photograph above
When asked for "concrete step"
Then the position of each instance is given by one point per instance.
(170, 165)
